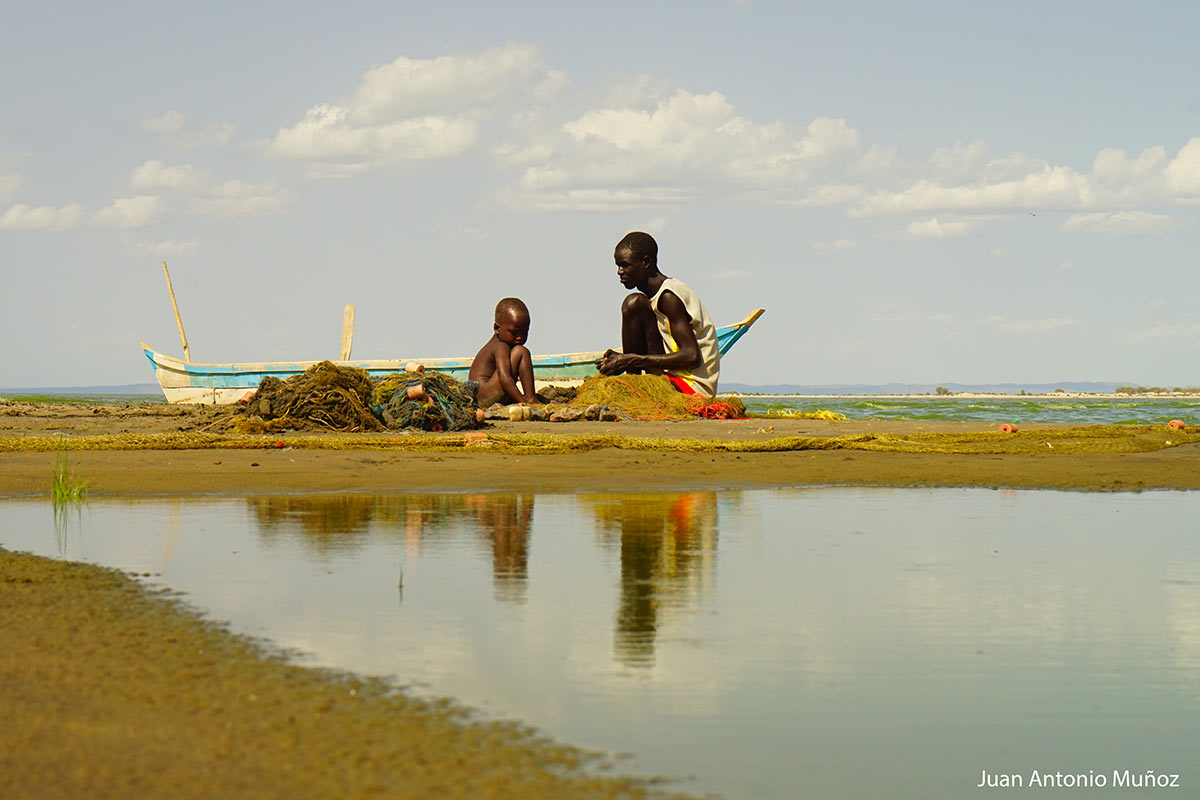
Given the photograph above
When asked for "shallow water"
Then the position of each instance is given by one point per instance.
(1076, 410)
(828, 643)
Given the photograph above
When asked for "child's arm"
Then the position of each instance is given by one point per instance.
(504, 373)
(523, 361)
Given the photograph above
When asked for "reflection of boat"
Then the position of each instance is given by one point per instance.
(184, 382)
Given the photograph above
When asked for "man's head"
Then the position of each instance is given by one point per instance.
(636, 257)
(512, 321)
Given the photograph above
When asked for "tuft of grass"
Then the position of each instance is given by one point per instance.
(65, 485)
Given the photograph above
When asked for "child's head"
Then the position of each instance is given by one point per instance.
(512, 321)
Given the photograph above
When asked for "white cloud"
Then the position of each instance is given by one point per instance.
(168, 248)
(154, 175)
(972, 163)
(967, 179)
(1057, 187)
(325, 134)
(418, 109)
(682, 148)
(162, 125)
(1002, 325)
(243, 199)
(131, 212)
(172, 127)
(451, 85)
(1183, 174)
(26, 217)
(1119, 223)
(8, 185)
(1164, 330)
(836, 246)
(934, 228)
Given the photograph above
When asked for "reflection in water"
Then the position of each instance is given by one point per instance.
(668, 560)
(861, 643)
(341, 524)
(504, 522)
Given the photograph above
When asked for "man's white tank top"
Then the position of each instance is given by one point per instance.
(703, 378)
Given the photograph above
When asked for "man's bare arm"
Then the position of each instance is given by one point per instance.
(686, 357)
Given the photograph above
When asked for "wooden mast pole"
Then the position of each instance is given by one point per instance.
(187, 353)
(347, 331)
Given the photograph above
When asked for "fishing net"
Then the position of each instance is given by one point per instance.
(428, 401)
(1096, 440)
(323, 396)
(327, 396)
(653, 397)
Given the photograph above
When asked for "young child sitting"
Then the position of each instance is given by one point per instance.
(505, 358)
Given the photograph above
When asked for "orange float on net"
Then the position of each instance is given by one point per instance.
(1176, 424)
(413, 366)
(1008, 427)
(416, 392)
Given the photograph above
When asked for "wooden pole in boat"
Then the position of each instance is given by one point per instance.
(187, 353)
(347, 331)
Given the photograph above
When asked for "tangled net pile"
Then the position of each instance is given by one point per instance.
(448, 405)
(650, 397)
(324, 396)
(327, 396)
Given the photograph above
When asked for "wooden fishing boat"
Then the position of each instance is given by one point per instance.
(222, 384)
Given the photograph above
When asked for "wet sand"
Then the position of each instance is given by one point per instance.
(108, 690)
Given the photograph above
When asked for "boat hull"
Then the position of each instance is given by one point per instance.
(223, 384)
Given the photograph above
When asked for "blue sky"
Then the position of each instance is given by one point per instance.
(927, 192)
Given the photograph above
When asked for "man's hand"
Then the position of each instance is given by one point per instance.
(612, 363)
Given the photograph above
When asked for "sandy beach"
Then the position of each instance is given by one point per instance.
(113, 691)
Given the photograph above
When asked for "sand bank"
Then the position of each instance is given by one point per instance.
(296, 468)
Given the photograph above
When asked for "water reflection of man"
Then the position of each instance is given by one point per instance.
(668, 547)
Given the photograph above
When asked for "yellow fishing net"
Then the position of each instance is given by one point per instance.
(653, 397)
(1095, 439)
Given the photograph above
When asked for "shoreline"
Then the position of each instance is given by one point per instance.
(978, 396)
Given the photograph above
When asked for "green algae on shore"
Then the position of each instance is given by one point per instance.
(111, 690)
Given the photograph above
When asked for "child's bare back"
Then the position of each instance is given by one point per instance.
(504, 358)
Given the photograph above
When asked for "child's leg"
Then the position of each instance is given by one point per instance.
(490, 391)
(521, 361)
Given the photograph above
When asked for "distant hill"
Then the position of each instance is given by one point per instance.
(925, 388)
(128, 388)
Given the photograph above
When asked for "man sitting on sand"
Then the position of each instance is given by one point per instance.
(505, 358)
(664, 327)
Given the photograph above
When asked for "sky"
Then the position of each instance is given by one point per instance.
(917, 192)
